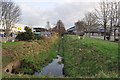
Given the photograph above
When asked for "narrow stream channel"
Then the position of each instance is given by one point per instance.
(53, 69)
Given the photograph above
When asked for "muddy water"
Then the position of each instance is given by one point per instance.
(53, 69)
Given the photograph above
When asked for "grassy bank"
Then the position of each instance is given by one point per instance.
(11, 44)
(89, 57)
(7, 52)
(33, 55)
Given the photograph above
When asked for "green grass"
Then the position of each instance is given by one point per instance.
(7, 58)
(89, 57)
(11, 44)
(81, 57)
(33, 55)
(39, 61)
(17, 76)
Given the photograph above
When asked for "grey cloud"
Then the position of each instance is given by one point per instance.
(72, 12)
(68, 13)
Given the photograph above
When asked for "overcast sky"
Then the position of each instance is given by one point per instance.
(38, 12)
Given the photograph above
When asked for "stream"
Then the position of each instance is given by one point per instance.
(53, 69)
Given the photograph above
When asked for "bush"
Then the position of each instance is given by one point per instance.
(26, 36)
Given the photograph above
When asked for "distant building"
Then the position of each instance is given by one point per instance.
(16, 28)
(19, 28)
(75, 30)
(40, 31)
(71, 29)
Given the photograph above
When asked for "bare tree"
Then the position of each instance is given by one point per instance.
(119, 16)
(113, 19)
(103, 14)
(10, 15)
(91, 22)
(0, 9)
(59, 28)
(80, 27)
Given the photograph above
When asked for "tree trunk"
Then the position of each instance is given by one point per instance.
(89, 34)
(110, 29)
(114, 34)
(105, 30)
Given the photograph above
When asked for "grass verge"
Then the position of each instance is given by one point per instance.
(89, 57)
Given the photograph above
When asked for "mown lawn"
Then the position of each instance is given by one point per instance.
(89, 57)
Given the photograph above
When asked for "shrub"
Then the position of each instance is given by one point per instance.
(26, 36)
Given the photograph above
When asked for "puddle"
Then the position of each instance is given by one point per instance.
(53, 69)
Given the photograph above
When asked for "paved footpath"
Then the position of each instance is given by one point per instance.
(102, 37)
(9, 39)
